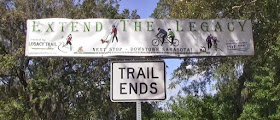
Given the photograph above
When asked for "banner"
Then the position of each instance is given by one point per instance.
(99, 38)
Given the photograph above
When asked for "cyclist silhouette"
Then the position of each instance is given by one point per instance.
(163, 33)
(171, 35)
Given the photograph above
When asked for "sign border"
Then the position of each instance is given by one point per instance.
(136, 100)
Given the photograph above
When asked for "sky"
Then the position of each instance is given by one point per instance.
(145, 8)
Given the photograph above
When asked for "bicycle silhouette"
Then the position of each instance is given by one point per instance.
(158, 40)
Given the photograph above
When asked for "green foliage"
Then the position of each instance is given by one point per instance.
(248, 86)
(188, 108)
(162, 9)
(56, 88)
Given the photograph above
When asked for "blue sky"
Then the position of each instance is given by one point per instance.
(144, 7)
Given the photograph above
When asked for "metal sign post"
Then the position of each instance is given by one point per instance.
(138, 111)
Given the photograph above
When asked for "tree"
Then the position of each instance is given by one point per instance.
(161, 11)
(247, 87)
(55, 88)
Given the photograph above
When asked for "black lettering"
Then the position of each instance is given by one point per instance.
(153, 83)
(134, 88)
(148, 75)
(121, 88)
(141, 88)
(141, 72)
(153, 73)
(130, 72)
(122, 72)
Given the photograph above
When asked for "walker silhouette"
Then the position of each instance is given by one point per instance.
(113, 34)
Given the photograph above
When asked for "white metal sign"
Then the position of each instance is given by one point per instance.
(138, 37)
(133, 81)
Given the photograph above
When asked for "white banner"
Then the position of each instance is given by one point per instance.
(138, 37)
